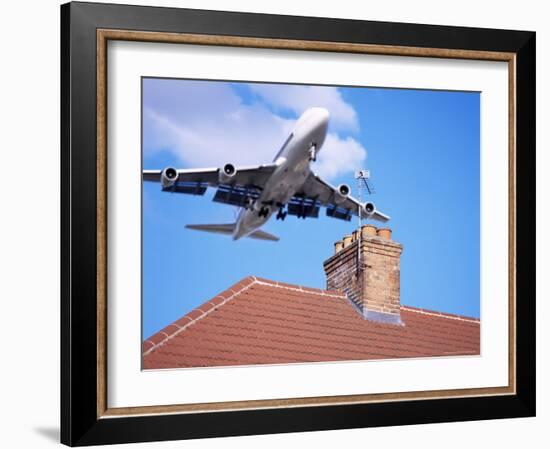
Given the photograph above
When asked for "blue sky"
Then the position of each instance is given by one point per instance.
(421, 146)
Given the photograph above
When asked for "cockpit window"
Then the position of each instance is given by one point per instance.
(288, 139)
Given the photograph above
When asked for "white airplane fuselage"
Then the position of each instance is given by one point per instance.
(293, 168)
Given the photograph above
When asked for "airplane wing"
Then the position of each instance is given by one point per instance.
(251, 176)
(320, 192)
(236, 186)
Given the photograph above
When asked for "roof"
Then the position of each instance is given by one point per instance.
(258, 321)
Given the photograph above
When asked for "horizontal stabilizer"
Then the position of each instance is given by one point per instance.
(228, 229)
(262, 235)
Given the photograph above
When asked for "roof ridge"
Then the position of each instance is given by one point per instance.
(337, 294)
(300, 288)
(450, 316)
(251, 281)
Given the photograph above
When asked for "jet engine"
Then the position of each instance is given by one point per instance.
(168, 177)
(368, 209)
(342, 192)
(226, 173)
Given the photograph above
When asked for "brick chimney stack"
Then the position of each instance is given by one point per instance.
(365, 266)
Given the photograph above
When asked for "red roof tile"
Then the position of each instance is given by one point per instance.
(258, 321)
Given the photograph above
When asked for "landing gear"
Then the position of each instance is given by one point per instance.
(264, 211)
(312, 153)
(281, 215)
(249, 203)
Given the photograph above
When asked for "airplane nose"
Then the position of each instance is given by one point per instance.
(321, 115)
(313, 125)
(324, 115)
(321, 125)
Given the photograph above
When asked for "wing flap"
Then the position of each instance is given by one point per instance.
(338, 212)
(236, 195)
(303, 207)
(190, 188)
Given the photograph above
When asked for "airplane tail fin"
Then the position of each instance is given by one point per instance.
(228, 229)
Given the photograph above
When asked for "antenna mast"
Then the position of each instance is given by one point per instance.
(362, 177)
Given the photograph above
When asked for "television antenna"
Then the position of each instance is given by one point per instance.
(364, 187)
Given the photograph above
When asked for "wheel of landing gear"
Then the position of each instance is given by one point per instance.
(263, 212)
(313, 153)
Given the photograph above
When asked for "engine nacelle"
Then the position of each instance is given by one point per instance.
(168, 177)
(226, 173)
(342, 192)
(368, 210)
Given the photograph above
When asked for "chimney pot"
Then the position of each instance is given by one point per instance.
(368, 230)
(347, 240)
(384, 233)
(338, 246)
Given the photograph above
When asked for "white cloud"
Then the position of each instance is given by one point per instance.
(207, 125)
(300, 98)
(338, 156)
(248, 135)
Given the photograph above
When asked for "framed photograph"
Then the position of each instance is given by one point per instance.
(279, 224)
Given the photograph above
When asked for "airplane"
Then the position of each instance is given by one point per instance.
(286, 185)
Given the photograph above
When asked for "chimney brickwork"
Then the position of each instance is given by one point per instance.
(370, 276)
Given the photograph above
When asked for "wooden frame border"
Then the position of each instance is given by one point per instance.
(85, 30)
(105, 35)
